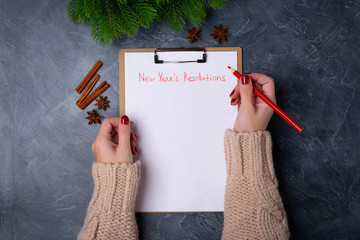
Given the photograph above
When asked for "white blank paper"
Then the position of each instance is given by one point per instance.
(181, 112)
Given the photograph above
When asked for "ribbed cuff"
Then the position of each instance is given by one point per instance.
(248, 153)
(116, 186)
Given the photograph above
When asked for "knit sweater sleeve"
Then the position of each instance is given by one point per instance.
(111, 211)
(253, 206)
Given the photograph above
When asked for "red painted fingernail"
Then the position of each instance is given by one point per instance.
(245, 79)
(232, 101)
(232, 93)
(136, 137)
(136, 150)
(125, 120)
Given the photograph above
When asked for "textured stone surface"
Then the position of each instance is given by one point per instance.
(311, 48)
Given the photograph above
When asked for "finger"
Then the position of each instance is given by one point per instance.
(267, 84)
(257, 99)
(134, 149)
(234, 102)
(133, 136)
(247, 92)
(256, 84)
(108, 126)
(235, 93)
(124, 133)
(115, 138)
(103, 147)
(132, 145)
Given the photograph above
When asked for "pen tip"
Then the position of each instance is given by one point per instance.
(229, 67)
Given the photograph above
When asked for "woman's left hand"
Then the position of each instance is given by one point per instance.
(115, 142)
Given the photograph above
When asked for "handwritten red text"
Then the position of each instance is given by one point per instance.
(171, 78)
(144, 78)
(203, 77)
(174, 78)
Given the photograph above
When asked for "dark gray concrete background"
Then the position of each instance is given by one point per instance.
(310, 48)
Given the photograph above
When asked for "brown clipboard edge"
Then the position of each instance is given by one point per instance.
(122, 86)
(122, 67)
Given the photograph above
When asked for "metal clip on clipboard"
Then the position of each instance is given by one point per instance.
(156, 57)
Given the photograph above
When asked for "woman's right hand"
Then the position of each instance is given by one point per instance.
(254, 114)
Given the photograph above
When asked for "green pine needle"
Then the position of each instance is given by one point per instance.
(111, 19)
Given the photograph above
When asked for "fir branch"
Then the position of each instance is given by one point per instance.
(146, 13)
(70, 11)
(76, 11)
(127, 18)
(215, 4)
(195, 11)
(174, 16)
(112, 19)
(90, 9)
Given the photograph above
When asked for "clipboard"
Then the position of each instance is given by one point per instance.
(155, 51)
(138, 98)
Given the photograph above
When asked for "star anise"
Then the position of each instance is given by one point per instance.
(219, 33)
(93, 117)
(193, 35)
(102, 103)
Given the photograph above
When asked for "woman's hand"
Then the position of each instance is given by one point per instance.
(115, 142)
(254, 114)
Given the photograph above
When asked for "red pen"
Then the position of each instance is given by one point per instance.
(263, 97)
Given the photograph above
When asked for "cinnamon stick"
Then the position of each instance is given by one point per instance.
(88, 89)
(87, 78)
(99, 90)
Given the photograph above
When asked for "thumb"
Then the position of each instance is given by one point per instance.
(124, 131)
(246, 92)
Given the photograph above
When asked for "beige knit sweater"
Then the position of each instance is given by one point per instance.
(111, 211)
(253, 207)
